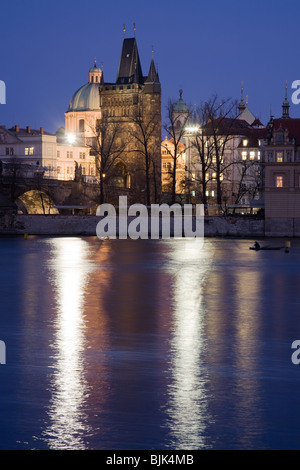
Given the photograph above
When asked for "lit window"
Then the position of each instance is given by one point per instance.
(214, 175)
(252, 155)
(245, 142)
(206, 193)
(212, 193)
(279, 157)
(279, 181)
(244, 155)
(28, 150)
(258, 155)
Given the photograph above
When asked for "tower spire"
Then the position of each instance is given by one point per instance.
(285, 105)
(242, 104)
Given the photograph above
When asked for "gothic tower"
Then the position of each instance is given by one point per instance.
(133, 102)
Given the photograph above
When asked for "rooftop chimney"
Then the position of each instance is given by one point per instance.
(41, 130)
(28, 129)
(17, 128)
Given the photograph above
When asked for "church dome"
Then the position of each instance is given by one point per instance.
(86, 98)
(180, 107)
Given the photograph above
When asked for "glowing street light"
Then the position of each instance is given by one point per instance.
(192, 129)
(71, 138)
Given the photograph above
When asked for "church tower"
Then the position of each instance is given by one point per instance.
(133, 102)
(285, 105)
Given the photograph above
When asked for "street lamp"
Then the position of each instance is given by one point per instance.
(71, 138)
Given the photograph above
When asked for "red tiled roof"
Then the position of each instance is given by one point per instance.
(292, 125)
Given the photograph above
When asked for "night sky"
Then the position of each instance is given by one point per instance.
(203, 47)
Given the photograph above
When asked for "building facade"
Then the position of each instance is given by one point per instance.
(29, 152)
(282, 175)
(124, 115)
(117, 124)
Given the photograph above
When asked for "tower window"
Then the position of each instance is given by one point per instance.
(81, 125)
(279, 181)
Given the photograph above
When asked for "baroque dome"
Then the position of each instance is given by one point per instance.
(180, 107)
(86, 98)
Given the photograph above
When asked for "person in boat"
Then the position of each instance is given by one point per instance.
(256, 246)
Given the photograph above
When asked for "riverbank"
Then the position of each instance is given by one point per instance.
(71, 225)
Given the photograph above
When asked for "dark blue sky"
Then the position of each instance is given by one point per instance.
(203, 47)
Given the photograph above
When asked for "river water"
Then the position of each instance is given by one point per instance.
(163, 344)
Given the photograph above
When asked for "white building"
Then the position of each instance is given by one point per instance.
(31, 151)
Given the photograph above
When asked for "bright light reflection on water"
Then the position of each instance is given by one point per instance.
(146, 344)
(187, 405)
(69, 389)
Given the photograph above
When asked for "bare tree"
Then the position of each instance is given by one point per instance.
(221, 121)
(175, 127)
(249, 181)
(201, 151)
(108, 147)
(145, 133)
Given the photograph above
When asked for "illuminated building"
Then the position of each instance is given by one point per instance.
(282, 174)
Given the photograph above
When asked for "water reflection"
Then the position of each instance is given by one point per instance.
(187, 403)
(233, 329)
(68, 423)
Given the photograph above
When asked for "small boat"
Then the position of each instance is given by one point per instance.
(257, 247)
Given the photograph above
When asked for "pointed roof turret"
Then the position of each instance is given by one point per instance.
(152, 74)
(130, 70)
(242, 105)
(285, 105)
